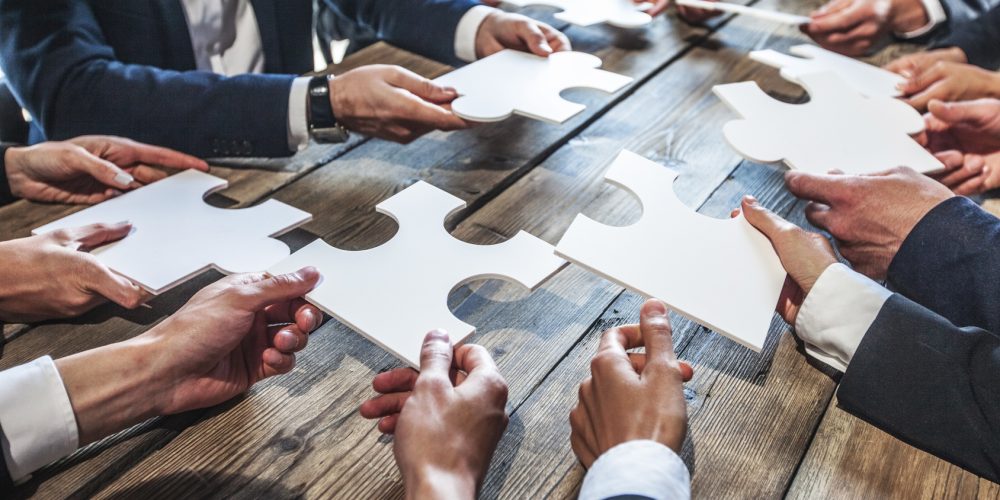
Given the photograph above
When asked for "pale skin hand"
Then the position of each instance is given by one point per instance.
(950, 81)
(51, 276)
(855, 27)
(229, 336)
(803, 254)
(88, 169)
(869, 215)
(914, 64)
(447, 419)
(631, 397)
(501, 30)
(965, 136)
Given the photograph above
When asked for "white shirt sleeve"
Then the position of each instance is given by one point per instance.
(642, 467)
(837, 313)
(298, 119)
(36, 417)
(935, 16)
(465, 33)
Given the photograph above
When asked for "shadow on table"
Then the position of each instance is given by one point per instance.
(192, 484)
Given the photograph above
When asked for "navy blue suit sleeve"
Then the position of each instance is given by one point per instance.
(5, 195)
(950, 263)
(426, 27)
(979, 38)
(67, 76)
(931, 384)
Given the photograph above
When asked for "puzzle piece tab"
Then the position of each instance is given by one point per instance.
(871, 81)
(721, 273)
(395, 293)
(176, 235)
(511, 81)
(620, 13)
(837, 129)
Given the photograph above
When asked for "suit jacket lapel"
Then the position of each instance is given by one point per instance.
(178, 37)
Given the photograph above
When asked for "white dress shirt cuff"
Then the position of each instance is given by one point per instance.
(935, 16)
(837, 313)
(642, 467)
(36, 417)
(465, 34)
(298, 119)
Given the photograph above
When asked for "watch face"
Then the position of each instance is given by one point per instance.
(319, 91)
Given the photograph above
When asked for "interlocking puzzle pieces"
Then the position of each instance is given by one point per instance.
(620, 13)
(871, 81)
(837, 129)
(721, 273)
(510, 81)
(395, 293)
(768, 15)
(176, 235)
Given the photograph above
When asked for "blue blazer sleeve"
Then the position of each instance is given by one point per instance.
(979, 38)
(950, 263)
(55, 55)
(426, 27)
(5, 195)
(920, 378)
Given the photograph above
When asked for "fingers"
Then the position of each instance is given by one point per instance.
(277, 362)
(112, 286)
(658, 7)
(837, 19)
(923, 79)
(258, 292)
(147, 175)
(530, 33)
(823, 188)
(556, 40)
(398, 380)
(766, 221)
(384, 405)
(483, 377)
(388, 424)
(91, 236)
(611, 352)
(305, 315)
(103, 171)
(289, 339)
(163, 157)
(424, 114)
(656, 333)
(419, 86)
(819, 215)
(972, 113)
(435, 357)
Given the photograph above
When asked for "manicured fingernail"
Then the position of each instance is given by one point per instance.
(124, 180)
(546, 48)
(124, 223)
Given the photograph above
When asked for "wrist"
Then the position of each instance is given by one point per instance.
(13, 161)
(433, 482)
(127, 392)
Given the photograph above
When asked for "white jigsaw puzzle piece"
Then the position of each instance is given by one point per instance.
(721, 273)
(620, 13)
(395, 293)
(495, 87)
(871, 81)
(768, 15)
(837, 129)
(176, 235)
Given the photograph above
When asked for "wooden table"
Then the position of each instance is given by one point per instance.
(761, 425)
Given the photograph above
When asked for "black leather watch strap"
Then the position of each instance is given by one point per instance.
(320, 108)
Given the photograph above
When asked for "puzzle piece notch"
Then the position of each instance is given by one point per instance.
(869, 80)
(174, 239)
(620, 13)
(721, 259)
(837, 129)
(414, 272)
(510, 81)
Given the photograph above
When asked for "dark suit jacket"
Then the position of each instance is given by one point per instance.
(978, 38)
(127, 67)
(918, 376)
(5, 195)
(929, 383)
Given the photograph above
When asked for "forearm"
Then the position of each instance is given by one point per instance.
(111, 388)
(438, 483)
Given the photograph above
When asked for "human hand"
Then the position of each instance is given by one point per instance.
(965, 136)
(632, 396)
(950, 81)
(692, 15)
(447, 419)
(88, 169)
(803, 254)
(51, 275)
(392, 103)
(869, 215)
(916, 63)
(501, 30)
(229, 336)
(854, 27)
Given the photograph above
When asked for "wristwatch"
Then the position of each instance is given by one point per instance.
(323, 126)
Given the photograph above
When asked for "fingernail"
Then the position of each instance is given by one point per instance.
(438, 334)
(751, 200)
(655, 307)
(317, 319)
(546, 48)
(288, 334)
(124, 179)
(124, 223)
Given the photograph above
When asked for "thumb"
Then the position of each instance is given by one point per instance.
(973, 113)
(435, 356)
(764, 220)
(534, 39)
(423, 88)
(112, 286)
(86, 238)
(654, 324)
(260, 293)
(103, 171)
